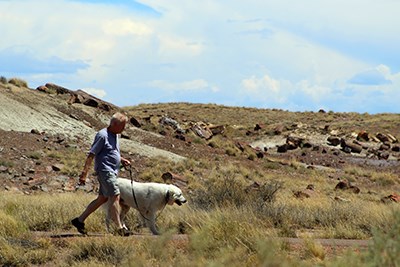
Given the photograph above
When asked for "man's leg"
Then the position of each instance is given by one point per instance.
(92, 207)
(115, 211)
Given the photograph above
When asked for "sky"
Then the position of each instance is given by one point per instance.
(336, 55)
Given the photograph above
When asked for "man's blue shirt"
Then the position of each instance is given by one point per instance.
(105, 147)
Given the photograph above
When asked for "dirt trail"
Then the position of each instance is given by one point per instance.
(360, 243)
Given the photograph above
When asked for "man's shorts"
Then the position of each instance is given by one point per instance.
(108, 183)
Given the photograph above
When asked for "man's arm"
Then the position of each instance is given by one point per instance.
(88, 163)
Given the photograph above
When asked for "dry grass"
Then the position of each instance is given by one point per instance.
(18, 82)
(225, 234)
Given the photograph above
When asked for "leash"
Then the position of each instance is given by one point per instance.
(134, 197)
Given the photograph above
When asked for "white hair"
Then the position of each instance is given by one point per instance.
(118, 118)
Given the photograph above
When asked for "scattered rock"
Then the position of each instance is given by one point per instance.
(3, 168)
(363, 136)
(345, 185)
(333, 140)
(57, 167)
(258, 127)
(350, 146)
(383, 138)
(282, 148)
(201, 131)
(391, 198)
(35, 131)
(173, 178)
(135, 122)
(340, 199)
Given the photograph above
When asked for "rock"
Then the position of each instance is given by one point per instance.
(43, 89)
(279, 129)
(383, 138)
(396, 148)
(173, 178)
(342, 185)
(392, 138)
(202, 132)
(340, 199)
(294, 142)
(345, 185)
(384, 147)
(258, 127)
(282, 148)
(59, 89)
(3, 168)
(75, 117)
(306, 193)
(216, 129)
(353, 147)
(391, 198)
(333, 140)
(135, 122)
(363, 136)
(302, 194)
(35, 131)
(354, 189)
(57, 167)
(241, 146)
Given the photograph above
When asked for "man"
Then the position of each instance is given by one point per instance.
(107, 158)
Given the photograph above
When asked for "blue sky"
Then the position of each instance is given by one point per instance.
(293, 55)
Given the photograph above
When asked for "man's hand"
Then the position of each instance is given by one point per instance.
(125, 162)
(82, 178)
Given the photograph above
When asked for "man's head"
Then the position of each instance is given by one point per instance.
(117, 123)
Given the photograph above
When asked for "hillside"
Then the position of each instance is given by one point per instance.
(308, 180)
(55, 118)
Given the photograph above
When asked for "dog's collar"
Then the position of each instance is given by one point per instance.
(167, 196)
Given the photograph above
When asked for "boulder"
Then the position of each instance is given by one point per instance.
(282, 148)
(363, 136)
(346, 145)
(333, 140)
(383, 138)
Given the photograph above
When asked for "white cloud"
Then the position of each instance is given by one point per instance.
(380, 75)
(275, 53)
(125, 26)
(193, 85)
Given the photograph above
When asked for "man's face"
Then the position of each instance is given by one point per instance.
(119, 127)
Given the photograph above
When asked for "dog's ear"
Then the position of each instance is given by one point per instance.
(169, 198)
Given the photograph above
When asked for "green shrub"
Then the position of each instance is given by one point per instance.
(3, 80)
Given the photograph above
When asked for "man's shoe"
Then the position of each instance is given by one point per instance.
(80, 226)
(123, 232)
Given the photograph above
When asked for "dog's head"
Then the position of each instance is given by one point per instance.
(174, 195)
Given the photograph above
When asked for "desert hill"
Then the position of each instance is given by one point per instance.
(314, 181)
(52, 118)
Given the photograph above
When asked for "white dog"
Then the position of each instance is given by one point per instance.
(148, 199)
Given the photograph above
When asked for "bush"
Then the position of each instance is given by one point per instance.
(18, 82)
(385, 249)
(3, 80)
